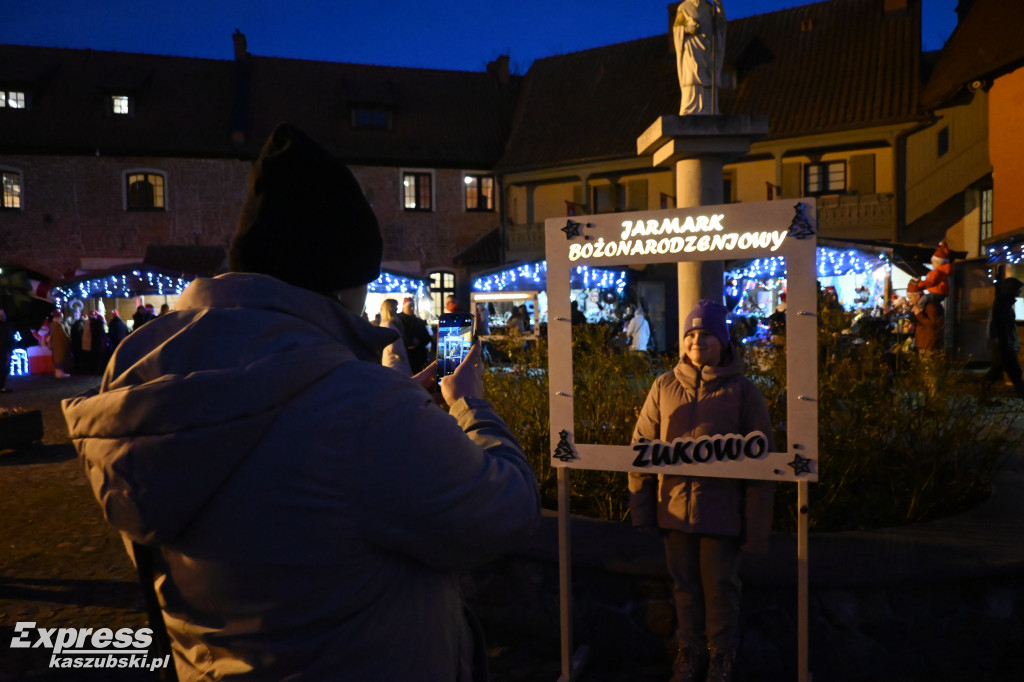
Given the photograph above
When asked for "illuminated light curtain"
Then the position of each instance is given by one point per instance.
(392, 283)
(124, 285)
(533, 276)
(829, 263)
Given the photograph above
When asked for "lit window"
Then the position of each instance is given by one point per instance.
(442, 285)
(12, 99)
(479, 192)
(120, 104)
(416, 189)
(145, 191)
(986, 214)
(825, 178)
(11, 182)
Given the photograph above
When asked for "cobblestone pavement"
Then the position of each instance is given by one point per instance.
(61, 565)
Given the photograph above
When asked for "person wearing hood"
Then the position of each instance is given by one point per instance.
(307, 510)
(1002, 335)
(638, 331)
(705, 521)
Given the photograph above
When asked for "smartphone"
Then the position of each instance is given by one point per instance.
(454, 339)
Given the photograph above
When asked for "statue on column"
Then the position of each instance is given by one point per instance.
(699, 35)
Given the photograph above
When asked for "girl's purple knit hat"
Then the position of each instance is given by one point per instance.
(709, 316)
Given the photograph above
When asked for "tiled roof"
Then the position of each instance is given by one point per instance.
(824, 67)
(455, 119)
(182, 104)
(986, 44)
(204, 261)
(192, 107)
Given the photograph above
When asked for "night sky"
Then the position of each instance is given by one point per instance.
(463, 35)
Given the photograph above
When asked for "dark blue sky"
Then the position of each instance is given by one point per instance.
(450, 34)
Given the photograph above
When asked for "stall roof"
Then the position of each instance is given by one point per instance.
(915, 259)
(123, 281)
(1006, 247)
(202, 261)
(486, 249)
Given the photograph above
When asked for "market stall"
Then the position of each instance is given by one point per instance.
(598, 292)
(400, 286)
(123, 288)
(863, 278)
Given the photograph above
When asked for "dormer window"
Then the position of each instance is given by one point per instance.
(122, 105)
(371, 118)
(12, 99)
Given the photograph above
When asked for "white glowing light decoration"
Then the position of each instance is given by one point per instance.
(125, 285)
(396, 284)
(1012, 254)
(830, 263)
(509, 296)
(533, 276)
(19, 362)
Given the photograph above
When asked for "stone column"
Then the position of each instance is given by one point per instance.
(698, 147)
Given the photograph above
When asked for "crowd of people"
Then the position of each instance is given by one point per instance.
(83, 342)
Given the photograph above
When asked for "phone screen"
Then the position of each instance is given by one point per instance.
(454, 339)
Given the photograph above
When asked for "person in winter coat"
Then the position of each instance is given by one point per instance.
(1002, 335)
(117, 329)
(394, 354)
(60, 345)
(929, 319)
(306, 509)
(417, 336)
(705, 521)
(638, 331)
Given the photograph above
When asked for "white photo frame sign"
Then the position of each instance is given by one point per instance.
(784, 228)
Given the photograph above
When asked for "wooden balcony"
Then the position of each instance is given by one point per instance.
(857, 216)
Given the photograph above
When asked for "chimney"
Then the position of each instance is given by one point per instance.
(241, 46)
(963, 8)
(499, 68)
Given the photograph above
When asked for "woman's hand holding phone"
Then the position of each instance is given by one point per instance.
(468, 379)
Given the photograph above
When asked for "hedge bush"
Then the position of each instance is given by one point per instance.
(903, 438)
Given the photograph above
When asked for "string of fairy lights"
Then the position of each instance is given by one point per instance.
(829, 262)
(148, 282)
(391, 283)
(533, 276)
(1007, 253)
(124, 285)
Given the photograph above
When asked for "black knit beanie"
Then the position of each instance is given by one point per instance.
(306, 221)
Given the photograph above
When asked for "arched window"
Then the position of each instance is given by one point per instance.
(144, 191)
